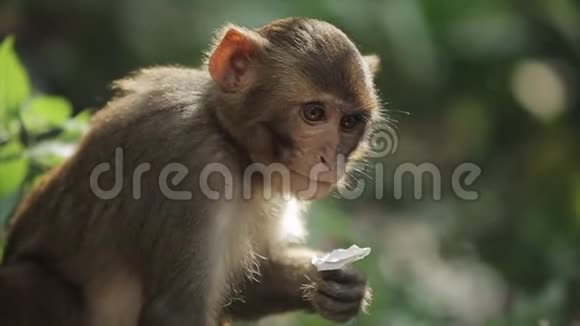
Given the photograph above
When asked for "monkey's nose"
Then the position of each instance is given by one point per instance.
(327, 161)
(326, 169)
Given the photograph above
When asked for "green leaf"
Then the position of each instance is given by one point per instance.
(83, 117)
(46, 112)
(75, 127)
(50, 153)
(8, 203)
(13, 167)
(14, 84)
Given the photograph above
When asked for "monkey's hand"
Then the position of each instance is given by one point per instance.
(339, 295)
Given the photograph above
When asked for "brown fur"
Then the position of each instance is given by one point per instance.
(155, 261)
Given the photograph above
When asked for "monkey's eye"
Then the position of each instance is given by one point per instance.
(313, 112)
(348, 122)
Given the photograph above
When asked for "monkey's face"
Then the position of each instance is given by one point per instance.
(303, 95)
(320, 116)
(323, 134)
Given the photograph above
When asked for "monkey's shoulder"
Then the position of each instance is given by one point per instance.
(165, 95)
(172, 82)
(159, 114)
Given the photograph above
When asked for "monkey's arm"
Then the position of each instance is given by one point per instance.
(289, 282)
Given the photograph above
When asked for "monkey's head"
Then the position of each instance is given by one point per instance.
(296, 92)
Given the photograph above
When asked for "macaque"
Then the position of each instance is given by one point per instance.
(202, 246)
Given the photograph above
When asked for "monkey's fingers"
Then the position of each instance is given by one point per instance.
(341, 292)
(334, 309)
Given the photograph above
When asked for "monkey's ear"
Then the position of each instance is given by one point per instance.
(230, 63)
(373, 62)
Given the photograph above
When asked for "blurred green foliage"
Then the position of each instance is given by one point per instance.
(493, 82)
(36, 131)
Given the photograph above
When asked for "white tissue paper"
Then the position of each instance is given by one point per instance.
(339, 258)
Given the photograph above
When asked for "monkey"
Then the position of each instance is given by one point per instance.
(163, 249)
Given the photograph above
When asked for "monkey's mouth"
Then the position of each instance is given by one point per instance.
(322, 181)
(307, 188)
